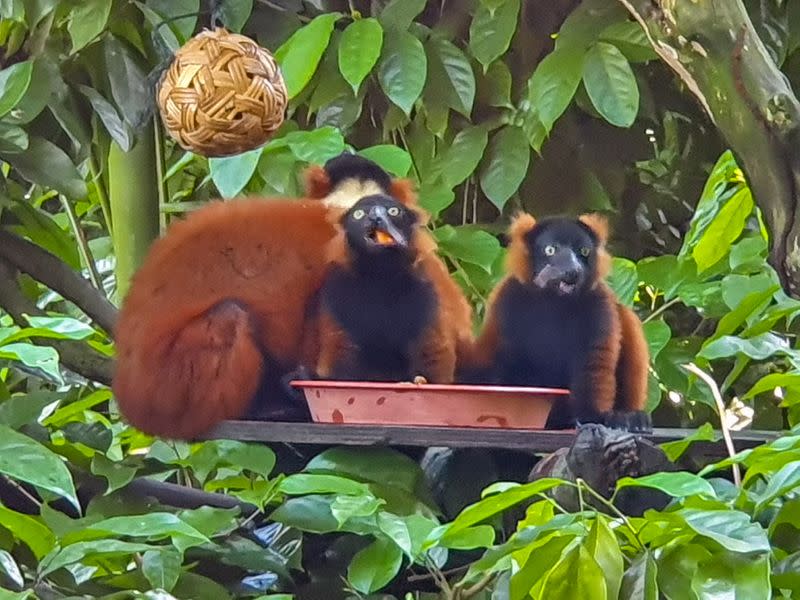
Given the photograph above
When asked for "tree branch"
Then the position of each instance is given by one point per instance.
(75, 355)
(714, 49)
(55, 274)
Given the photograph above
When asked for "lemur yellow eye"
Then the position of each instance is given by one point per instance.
(358, 214)
(394, 211)
(586, 251)
(549, 250)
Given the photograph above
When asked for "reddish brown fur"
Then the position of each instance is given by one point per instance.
(228, 282)
(451, 332)
(181, 367)
(634, 362)
(619, 365)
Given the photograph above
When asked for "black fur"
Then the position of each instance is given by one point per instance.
(379, 300)
(545, 342)
(352, 166)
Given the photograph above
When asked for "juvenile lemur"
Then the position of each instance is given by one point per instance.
(554, 322)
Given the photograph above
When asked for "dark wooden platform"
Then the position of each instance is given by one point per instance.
(538, 441)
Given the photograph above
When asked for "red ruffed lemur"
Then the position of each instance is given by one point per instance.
(389, 310)
(224, 305)
(554, 322)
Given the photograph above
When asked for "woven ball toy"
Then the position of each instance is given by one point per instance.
(223, 94)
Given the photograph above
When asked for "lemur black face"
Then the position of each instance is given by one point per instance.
(563, 255)
(379, 224)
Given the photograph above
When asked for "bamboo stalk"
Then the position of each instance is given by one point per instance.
(133, 195)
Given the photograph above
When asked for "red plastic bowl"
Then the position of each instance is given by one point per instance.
(368, 403)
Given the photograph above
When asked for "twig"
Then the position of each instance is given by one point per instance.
(23, 491)
(726, 433)
(102, 195)
(660, 310)
(83, 245)
(58, 276)
(580, 483)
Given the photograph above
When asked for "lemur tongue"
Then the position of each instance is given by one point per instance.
(384, 238)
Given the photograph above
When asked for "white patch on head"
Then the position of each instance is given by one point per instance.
(350, 191)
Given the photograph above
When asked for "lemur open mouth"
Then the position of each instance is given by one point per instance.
(381, 237)
(565, 288)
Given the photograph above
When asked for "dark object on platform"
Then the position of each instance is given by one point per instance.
(601, 456)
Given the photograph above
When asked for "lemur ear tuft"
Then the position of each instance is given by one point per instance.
(403, 191)
(518, 260)
(598, 224)
(318, 183)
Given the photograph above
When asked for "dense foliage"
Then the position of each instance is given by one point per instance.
(490, 106)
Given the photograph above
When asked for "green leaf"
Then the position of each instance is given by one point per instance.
(611, 84)
(494, 87)
(153, 526)
(162, 567)
(129, 85)
(231, 173)
(77, 552)
(460, 160)
(378, 465)
(576, 575)
(43, 358)
(359, 50)
(23, 409)
(403, 68)
(9, 571)
(546, 554)
(299, 56)
(469, 244)
(117, 128)
(639, 581)
(603, 546)
(14, 82)
(46, 164)
(230, 453)
(399, 14)
(751, 305)
(725, 228)
(508, 159)
(234, 13)
(624, 280)
(316, 146)
(631, 40)
(492, 505)
(678, 484)
(434, 198)
(769, 382)
(479, 536)
(310, 483)
(116, 473)
(784, 481)
(448, 62)
(732, 529)
(29, 530)
(491, 30)
(674, 450)
(66, 327)
(375, 566)
(86, 21)
(307, 513)
(170, 9)
(398, 531)
(758, 347)
(344, 508)
(390, 158)
(748, 254)
(658, 335)
(554, 83)
(12, 139)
